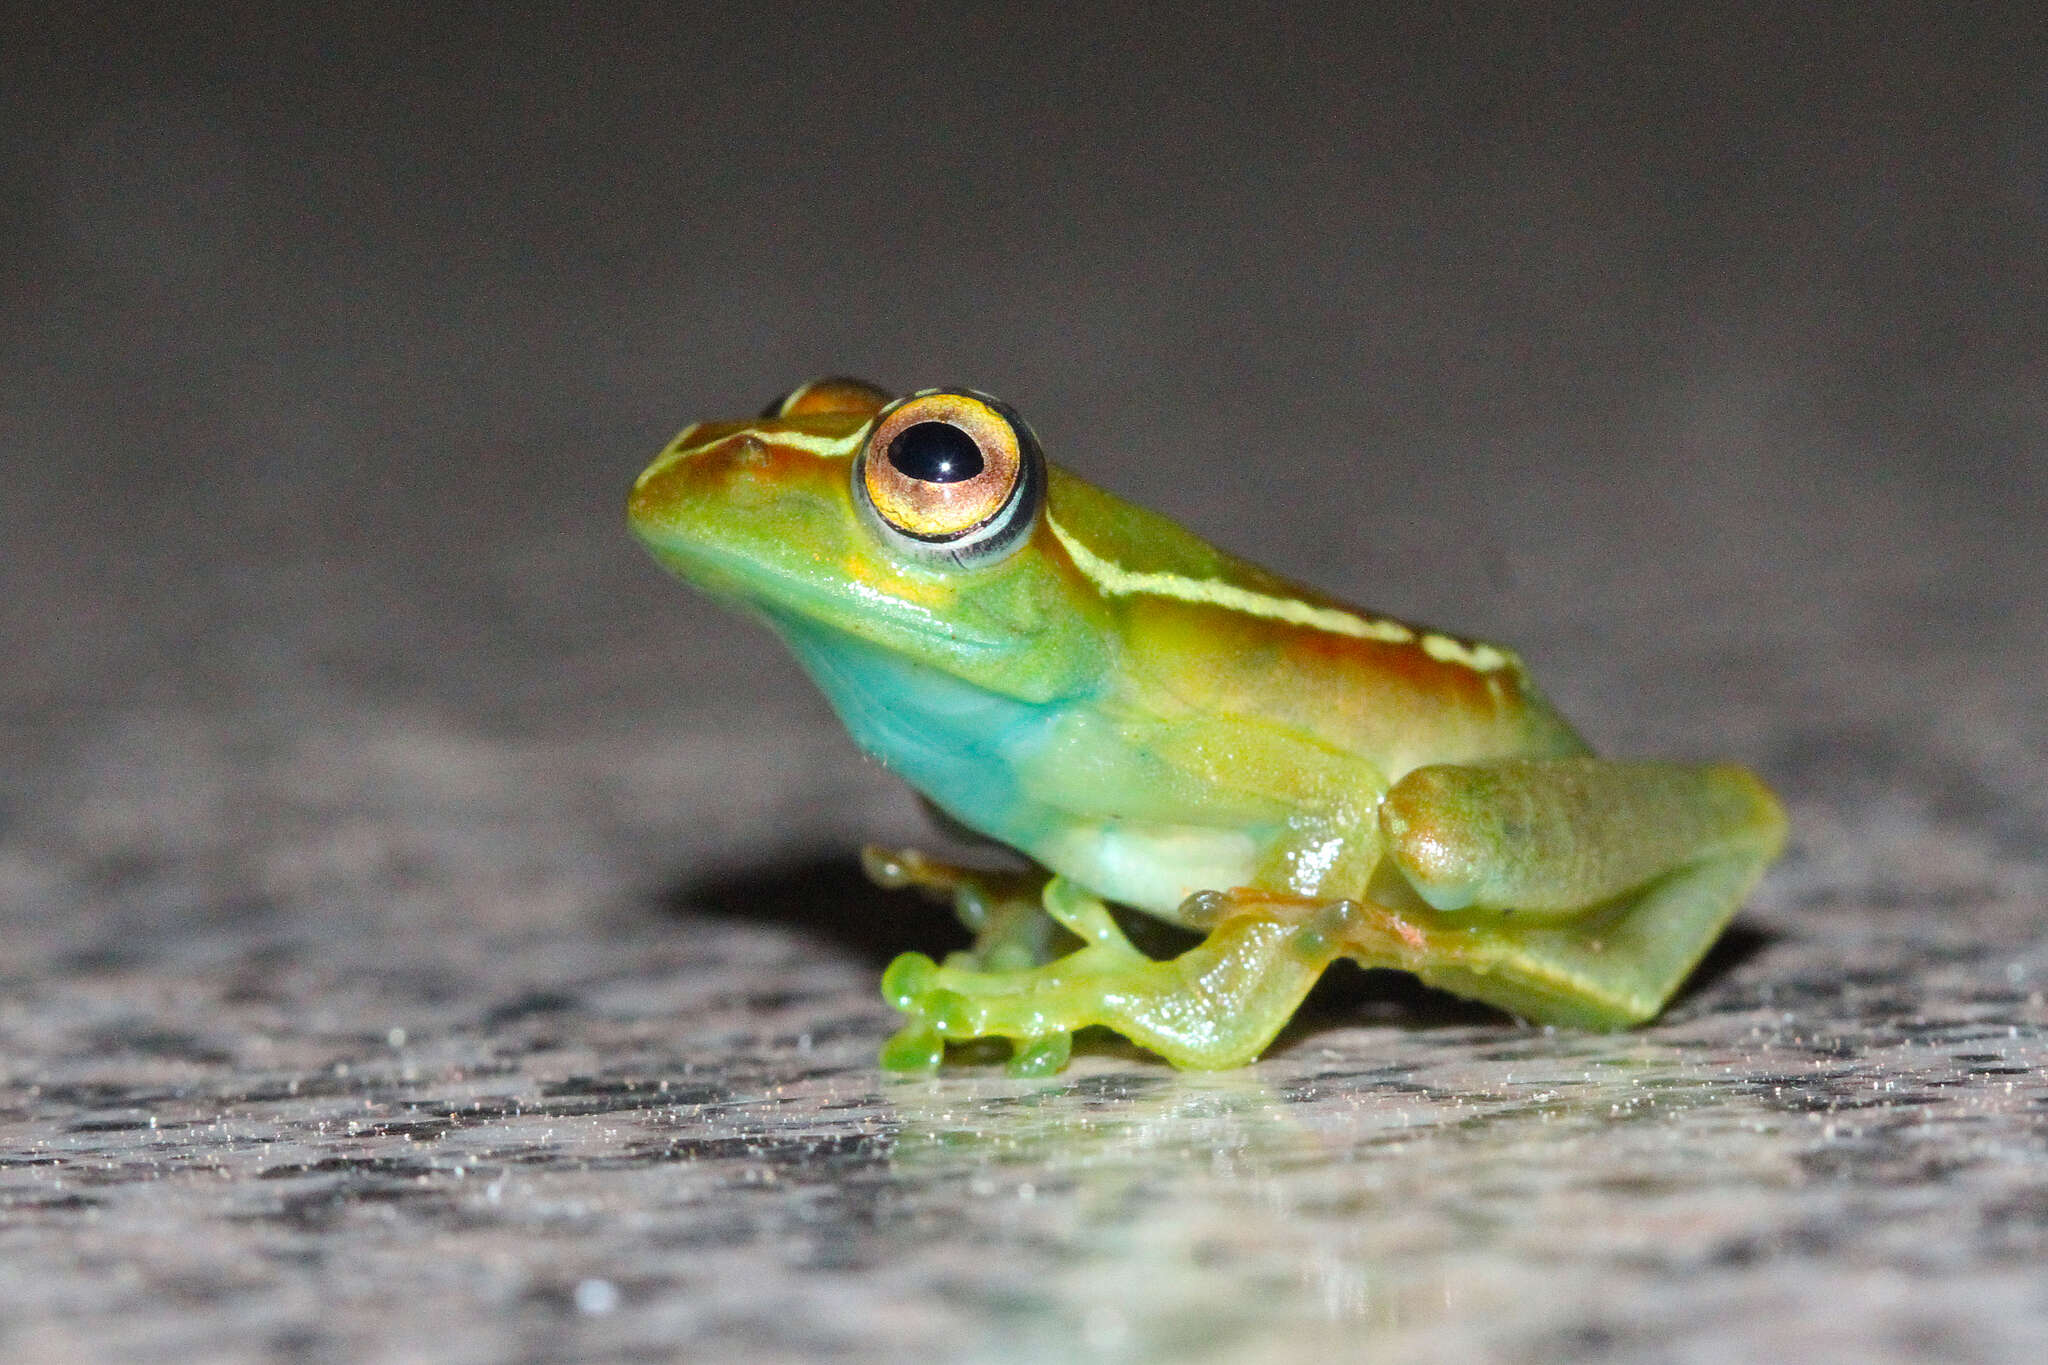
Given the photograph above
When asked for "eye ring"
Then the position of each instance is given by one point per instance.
(951, 473)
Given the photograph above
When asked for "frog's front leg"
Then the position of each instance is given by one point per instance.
(1002, 909)
(1216, 1005)
(1219, 1003)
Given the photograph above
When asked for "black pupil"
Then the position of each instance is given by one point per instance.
(935, 452)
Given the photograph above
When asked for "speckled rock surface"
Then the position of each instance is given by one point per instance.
(429, 934)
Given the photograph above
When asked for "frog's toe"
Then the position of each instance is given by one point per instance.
(1044, 1056)
(907, 979)
(916, 1046)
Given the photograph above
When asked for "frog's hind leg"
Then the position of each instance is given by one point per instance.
(1576, 890)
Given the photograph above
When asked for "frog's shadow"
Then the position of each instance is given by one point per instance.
(827, 898)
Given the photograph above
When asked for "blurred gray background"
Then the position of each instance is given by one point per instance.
(378, 826)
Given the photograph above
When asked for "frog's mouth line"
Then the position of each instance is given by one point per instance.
(760, 589)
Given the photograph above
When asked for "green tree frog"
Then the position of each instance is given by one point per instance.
(1157, 724)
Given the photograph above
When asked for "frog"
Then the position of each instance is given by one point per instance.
(1167, 731)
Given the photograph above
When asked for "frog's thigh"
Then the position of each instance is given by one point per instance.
(1552, 838)
(1613, 878)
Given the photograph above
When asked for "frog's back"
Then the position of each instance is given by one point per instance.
(1213, 634)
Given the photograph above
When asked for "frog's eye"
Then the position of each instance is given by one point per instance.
(836, 393)
(951, 473)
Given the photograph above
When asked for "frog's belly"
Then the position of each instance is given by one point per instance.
(1149, 867)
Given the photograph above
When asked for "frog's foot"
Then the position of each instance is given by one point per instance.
(1003, 910)
(1216, 1005)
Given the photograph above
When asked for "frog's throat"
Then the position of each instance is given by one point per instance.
(962, 745)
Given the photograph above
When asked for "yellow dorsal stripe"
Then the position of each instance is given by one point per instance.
(1115, 579)
(825, 447)
(830, 447)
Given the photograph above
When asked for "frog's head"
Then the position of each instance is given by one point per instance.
(917, 525)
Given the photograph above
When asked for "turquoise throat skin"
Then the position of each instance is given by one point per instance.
(1155, 723)
(961, 745)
